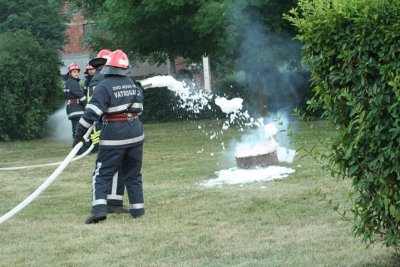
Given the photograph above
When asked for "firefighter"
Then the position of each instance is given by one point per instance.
(98, 63)
(119, 102)
(115, 196)
(89, 73)
(76, 100)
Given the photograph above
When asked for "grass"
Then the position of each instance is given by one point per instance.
(278, 223)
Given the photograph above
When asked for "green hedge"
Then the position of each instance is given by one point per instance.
(30, 86)
(163, 105)
(353, 48)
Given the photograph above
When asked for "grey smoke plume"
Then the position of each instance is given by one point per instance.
(271, 62)
(58, 127)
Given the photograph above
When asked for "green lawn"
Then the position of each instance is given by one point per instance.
(277, 223)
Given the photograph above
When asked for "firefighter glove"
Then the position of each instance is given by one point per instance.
(78, 139)
(95, 137)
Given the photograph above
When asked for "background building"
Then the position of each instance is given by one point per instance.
(74, 51)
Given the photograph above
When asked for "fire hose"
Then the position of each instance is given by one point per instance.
(47, 164)
(48, 181)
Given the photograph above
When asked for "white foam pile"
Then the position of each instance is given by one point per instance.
(241, 176)
(246, 149)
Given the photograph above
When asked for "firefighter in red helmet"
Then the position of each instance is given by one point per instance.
(76, 100)
(115, 196)
(89, 73)
(120, 103)
(97, 63)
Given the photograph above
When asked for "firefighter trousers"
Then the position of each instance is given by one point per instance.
(108, 163)
(116, 194)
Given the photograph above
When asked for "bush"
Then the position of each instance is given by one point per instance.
(30, 86)
(163, 105)
(353, 49)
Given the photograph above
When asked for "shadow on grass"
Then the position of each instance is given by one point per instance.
(393, 261)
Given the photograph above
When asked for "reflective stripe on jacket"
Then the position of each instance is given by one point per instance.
(72, 91)
(115, 94)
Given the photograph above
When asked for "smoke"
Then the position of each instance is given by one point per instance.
(260, 135)
(270, 63)
(58, 127)
(269, 60)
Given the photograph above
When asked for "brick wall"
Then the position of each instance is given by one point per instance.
(74, 33)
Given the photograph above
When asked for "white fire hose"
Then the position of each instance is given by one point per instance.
(49, 180)
(47, 164)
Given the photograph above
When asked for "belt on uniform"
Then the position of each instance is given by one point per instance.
(73, 101)
(120, 117)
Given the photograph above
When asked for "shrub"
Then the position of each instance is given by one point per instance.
(353, 49)
(163, 105)
(30, 86)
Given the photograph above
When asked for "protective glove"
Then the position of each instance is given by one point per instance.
(78, 139)
(95, 137)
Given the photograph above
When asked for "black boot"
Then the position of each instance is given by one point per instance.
(96, 217)
(136, 213)
(117, 209)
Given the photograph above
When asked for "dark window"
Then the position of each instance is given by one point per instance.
(88, 29)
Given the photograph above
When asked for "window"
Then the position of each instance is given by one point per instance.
(88, 29)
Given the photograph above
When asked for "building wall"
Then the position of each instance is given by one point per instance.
(74, 52)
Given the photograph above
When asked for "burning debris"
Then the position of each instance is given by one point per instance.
(259, 155)
(261, 160)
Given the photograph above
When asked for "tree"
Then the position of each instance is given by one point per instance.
(44, 19)
(31, 34)
(249, 36)
(158, 30)
(352, 47)
(30, 85)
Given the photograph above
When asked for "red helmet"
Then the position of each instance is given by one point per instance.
(101, 58)
(73, 66)
(88, 67)
(104, 53)
(118, 59)
(117, 64)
